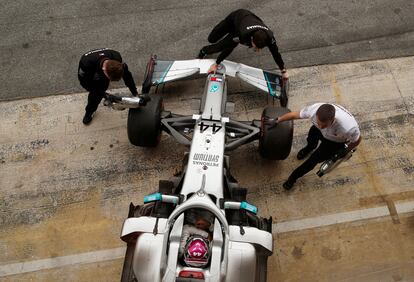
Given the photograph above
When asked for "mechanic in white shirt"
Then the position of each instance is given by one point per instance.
(334, 126)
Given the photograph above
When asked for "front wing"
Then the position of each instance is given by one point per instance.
(161, 71)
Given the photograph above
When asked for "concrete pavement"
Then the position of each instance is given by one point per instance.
(65, 187)
(42, 40)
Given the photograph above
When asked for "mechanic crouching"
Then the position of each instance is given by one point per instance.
(244, 27)
(96, 69)
(334, 126)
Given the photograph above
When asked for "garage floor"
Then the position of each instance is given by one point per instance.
(65, 187)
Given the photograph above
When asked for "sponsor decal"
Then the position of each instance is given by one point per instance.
(257, 26)
(214, 88)
(95, 51)
(216, 79)
(206, 159)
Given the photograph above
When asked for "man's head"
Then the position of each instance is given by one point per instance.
(113, 70)
(202, 223)
(325, 115)
(259, 39)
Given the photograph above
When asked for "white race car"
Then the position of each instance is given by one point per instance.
(236, 242)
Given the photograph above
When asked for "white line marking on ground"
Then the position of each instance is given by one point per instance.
(405, 207)
(49, 263)
(281, 227)
(331, 219)
(325, 220)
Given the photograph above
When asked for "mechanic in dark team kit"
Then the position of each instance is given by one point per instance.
(334, 126)
(96, 69)
(244, 27)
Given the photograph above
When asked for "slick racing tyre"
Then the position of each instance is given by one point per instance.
(261, 268)
(144, 123)
(284, 93)
(127, 269)
(275, 141)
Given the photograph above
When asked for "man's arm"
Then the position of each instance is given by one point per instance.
(221, 58)
(289, 116)
(274, 50)
(354, 137)
(129, 81)
(350, 146)
(353, 145)
(224, 54)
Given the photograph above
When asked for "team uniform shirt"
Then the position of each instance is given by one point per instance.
(242, 24)
(344, 129)
(91, 75)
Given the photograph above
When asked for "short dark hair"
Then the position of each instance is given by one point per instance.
(115, 70)
(260, 38)
(326, 113)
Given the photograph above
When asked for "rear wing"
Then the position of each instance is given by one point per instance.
(162, 71)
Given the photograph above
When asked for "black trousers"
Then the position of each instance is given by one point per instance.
(219, 43)
(95, 96)
(326, 150)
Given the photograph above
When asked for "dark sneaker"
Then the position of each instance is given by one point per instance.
(288, 184)
(87, 119)
(201, 54)
(303, 153)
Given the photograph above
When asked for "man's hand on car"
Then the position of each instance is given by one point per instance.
(272, 122)
(213, 68)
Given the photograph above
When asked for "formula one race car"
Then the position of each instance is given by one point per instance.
(199, 226)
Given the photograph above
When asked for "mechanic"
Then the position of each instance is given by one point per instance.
(96, 69)
(334, 126)
(244, 27)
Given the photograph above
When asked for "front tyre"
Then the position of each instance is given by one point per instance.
(275, 141)
(144, 123)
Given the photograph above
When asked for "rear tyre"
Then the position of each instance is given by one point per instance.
(275, 142)
(144, 123)
(261, 268)
(127, 269)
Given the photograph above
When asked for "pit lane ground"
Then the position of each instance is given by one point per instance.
(65, 188)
